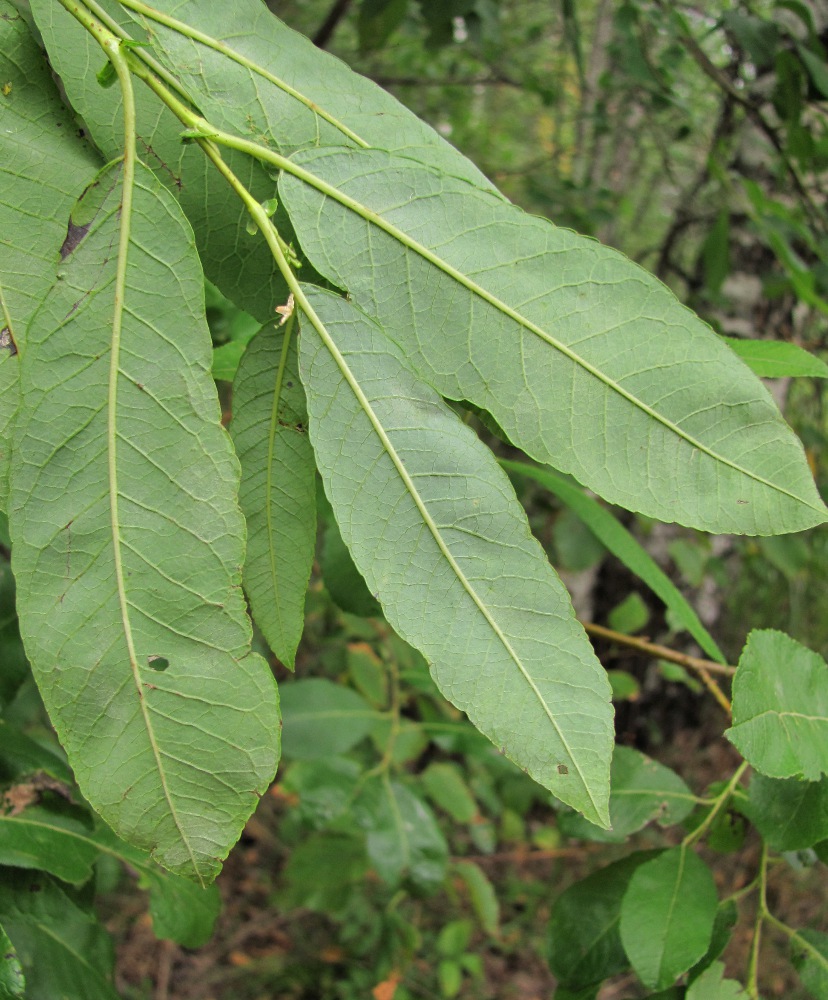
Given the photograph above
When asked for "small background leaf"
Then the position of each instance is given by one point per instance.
(321, 718)
(780, 707)
(667, 916)
(776, 359)
(791, 815)
(809, 953)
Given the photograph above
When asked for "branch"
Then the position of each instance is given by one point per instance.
(329, 25)
(499, 80)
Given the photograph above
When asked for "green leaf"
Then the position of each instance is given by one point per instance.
(321, 871)
(324, 788)
(343, 580)
(43, 163)
(641, 790)
(790, 815)
(776, 359)
(584, 359)
(40, 839)
(403, 839)
(21, 755)
(583, 940)
(630, 616)
(817, 69)
(368, 672)
(128, 540)
(780, 707)
(667, 916)
(251, 74)
(63, 949)
(712, 985)
(13, 666)
(446, 788)
(320, 718)
(727, 916)
(483, 897)
(278, 488)
(435, 529)
(621, 543)
(809, 954)
(378, 20)
(240, 265)
(12, 980)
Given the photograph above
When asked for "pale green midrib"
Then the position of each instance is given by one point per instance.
(271, 446)
(80, 958)
(24, 821)
(272, 238)
(391, 451)
(223, 49)
(124, 240)
(672, 907)
(781, 714)
(370, 216)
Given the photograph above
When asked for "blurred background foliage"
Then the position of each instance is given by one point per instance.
(400, 855)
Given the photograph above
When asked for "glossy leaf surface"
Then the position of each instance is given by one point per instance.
(584, 359)
(435, 529)
(791, 815)
(128, 541)
(780, 707)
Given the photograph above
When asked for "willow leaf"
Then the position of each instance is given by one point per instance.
(437, 532)
(128, 538)
(278, 487)
(233, 259)
(44, 167)
(585, 360)
(251, 74)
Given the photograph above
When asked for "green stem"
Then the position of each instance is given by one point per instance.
(761, 916)
(720, 802)
(218, 46)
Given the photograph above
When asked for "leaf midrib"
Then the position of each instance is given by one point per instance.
(391, 451)
(450, 271)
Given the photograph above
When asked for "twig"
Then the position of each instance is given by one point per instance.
(660, 652)
(162, 979)
(465, 81)
(329, 25)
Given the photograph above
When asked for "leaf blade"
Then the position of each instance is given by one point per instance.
(278, 488)
(456, 521)
(597, 370)
(125, 418)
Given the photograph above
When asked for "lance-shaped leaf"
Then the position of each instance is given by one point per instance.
(584, 359)
(780, 707)
(251, 74)
(278, 487)
(437, 532)
(128, 539)
(777, 359)
(44, 167)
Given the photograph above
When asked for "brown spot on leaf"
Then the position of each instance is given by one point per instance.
(563, 769)
(7, 341)
(74, 237)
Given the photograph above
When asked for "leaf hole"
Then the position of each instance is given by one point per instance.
(159, 663)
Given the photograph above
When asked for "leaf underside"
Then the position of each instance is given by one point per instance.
(278, 488)
(128, 542)
(44, 167)
(436, 530)
(585, 360)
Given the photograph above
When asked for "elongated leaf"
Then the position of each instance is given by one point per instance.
(128, 541)
(641, 790)
(252, 74)
(623, 545)
(40, 839)
(278, 488)
(775, 359)
(586, 361)
(667, 916)
(63, 949)
(584, 944)
(482, 895)
(322, 718)
(44, 166)
(403, 838)
(435, 529)
(791, 815)
(240, 264)
(780, 707)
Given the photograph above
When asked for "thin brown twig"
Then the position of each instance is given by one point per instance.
(166, 951)
(694, 663)
(329, 25)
